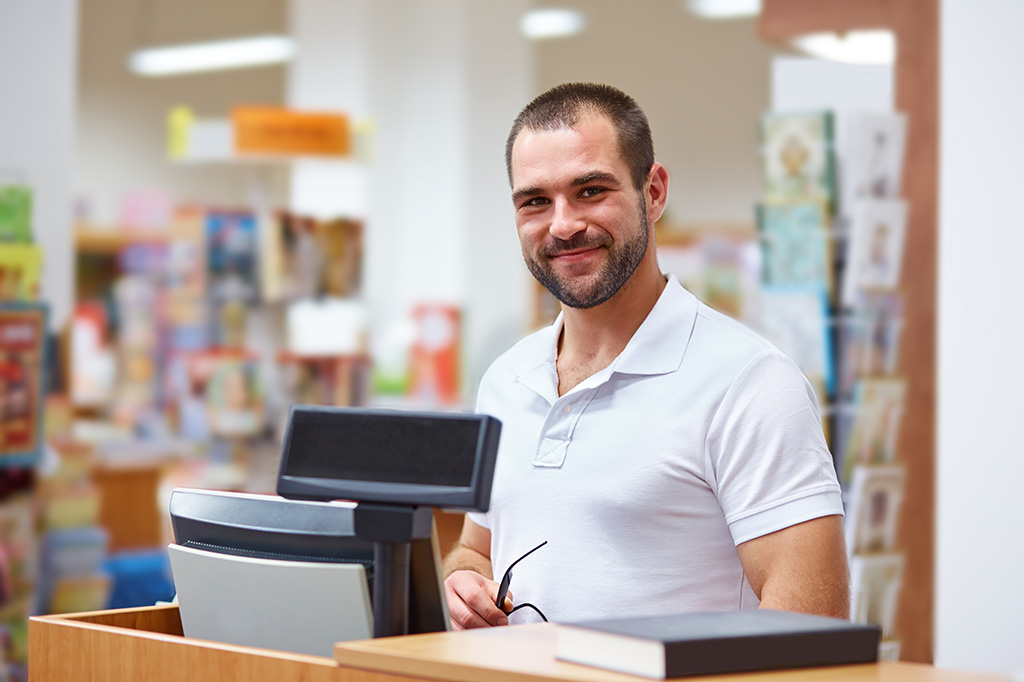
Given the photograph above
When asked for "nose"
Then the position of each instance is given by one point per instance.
(566, 220)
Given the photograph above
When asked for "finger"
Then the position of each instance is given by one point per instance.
(483, 604)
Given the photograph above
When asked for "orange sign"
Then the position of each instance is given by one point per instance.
(275, 130)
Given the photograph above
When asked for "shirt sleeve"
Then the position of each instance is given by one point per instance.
(766, 455)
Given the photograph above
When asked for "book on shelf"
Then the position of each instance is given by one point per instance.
(22, 361)
(875, 255)
(716, 642)
(876, 412)
(872, 164)
(21, 268)
(15, 214)
(875, 582)
(798, 157)
(795, 245)
(795, 318)
(870, 338)
(876, 493)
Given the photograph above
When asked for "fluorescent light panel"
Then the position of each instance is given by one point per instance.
(724, 9)
(856, 47)
(552, 22)
(223, 54)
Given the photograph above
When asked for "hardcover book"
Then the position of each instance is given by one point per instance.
(716, 642)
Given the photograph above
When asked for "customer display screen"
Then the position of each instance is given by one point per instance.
(382, 447)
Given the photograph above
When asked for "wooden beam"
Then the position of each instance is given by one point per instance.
(916, 25)
(783, 20)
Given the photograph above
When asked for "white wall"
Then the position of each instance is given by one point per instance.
(703, 84)
(37, 82)
(442, 81)
(980, 468)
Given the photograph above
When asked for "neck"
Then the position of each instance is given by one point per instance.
(593, 337)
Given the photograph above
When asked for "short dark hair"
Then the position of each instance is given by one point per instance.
(562, 107)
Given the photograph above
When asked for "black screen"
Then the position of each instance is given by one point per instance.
(382, 447)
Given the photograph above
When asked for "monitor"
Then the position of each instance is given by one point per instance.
(389, 456)
(270, 528)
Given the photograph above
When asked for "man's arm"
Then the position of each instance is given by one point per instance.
(801, 568)
(468, 586)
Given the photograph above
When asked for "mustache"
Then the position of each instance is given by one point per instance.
(577, 242)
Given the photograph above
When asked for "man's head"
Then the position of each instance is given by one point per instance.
(583, 191)
(564, 105)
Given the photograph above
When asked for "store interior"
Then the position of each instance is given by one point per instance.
(183, 290)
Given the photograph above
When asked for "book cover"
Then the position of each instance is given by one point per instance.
(22, 359)
(15, 214)
(21, 268)
(716, 642)
(798, 157)
(877, 234)
(875, 582)
(873, 163)
(876, 493)
(231, 248)
(877, 410)
(795, 245)
(796, 320)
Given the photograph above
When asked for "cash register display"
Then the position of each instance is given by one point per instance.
(390, 457)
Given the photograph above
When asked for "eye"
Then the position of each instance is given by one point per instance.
(533, 202)
(591, 192)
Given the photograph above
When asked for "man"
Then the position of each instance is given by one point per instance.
(672, 459)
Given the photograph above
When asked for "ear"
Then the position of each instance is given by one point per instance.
(657, 192)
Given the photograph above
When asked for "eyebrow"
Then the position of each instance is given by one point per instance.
(593, 176)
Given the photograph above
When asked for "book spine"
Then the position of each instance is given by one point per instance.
(770, 653)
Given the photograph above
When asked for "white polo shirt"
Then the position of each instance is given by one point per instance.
(699, 436)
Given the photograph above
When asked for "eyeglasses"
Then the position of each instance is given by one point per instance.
(506, 580)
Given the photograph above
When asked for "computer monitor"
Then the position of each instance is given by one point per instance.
(266, 527)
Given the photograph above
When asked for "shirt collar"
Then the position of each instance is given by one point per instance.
(657, 347)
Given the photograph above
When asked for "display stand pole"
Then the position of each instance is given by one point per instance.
(391, 528)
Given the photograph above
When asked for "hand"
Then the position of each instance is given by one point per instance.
(471, 601)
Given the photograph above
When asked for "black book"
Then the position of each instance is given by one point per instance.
(719, 642)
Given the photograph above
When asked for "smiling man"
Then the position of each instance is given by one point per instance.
(672, 459)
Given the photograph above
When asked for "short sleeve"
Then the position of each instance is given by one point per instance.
(767, 459)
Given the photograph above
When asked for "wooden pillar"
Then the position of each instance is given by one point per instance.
(916, 26)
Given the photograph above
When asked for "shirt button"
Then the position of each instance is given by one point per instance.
(567, 408)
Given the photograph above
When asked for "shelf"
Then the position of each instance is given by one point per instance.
(111, 240)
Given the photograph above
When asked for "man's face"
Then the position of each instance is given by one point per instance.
(582, 225)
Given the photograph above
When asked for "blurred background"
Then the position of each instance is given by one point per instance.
(211, 211)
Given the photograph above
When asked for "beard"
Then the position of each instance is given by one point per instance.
(591, 290)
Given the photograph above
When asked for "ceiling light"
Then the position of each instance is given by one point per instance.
(551, 23)
(223, 54)
(724, 9)
(856, 47)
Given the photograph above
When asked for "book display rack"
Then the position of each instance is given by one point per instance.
(914, 23)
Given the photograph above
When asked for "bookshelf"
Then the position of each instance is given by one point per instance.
(916, 26)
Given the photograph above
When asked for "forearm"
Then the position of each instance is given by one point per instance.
(463, 558)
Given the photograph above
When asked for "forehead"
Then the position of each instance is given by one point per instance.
(541, 157)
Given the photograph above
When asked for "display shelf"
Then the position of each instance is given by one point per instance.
(109, 241)
(916, 26)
